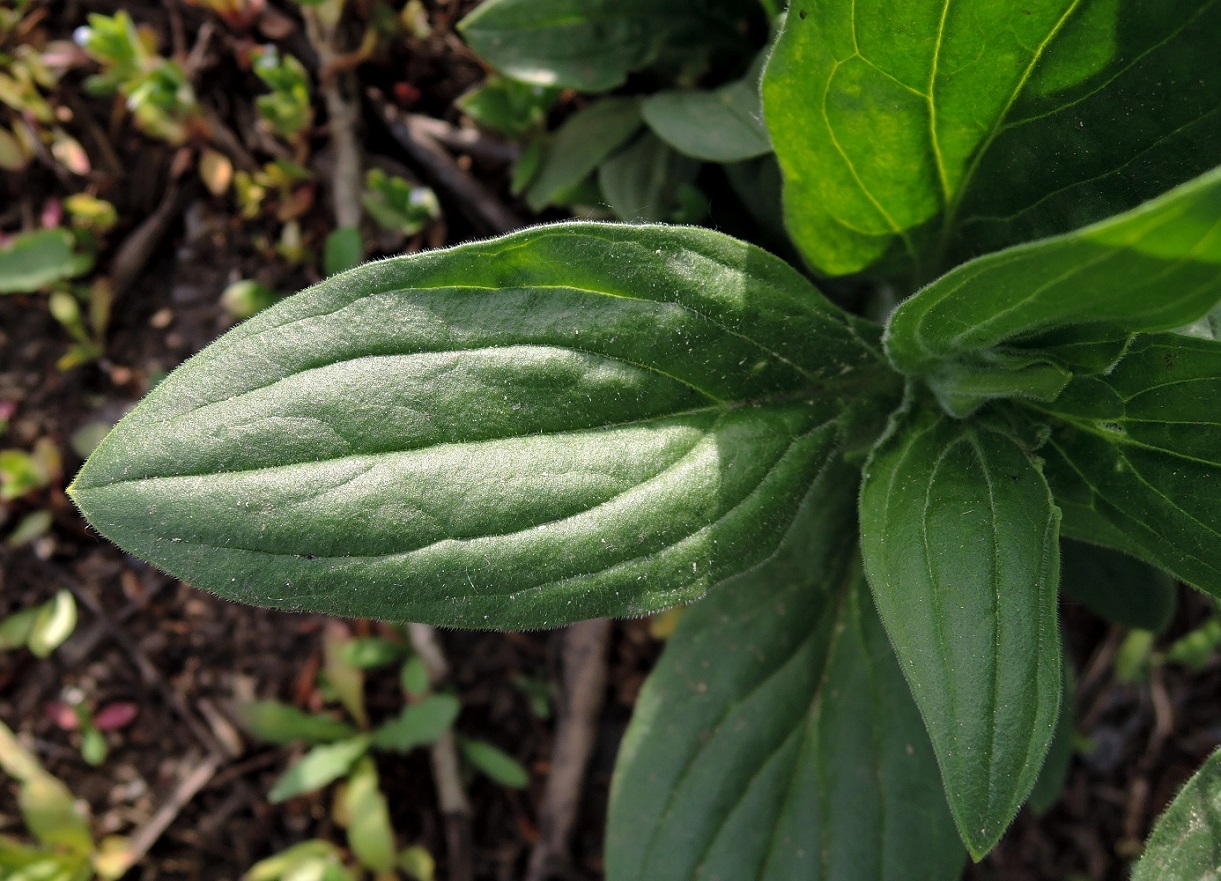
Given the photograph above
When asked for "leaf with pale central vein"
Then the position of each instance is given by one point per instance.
(572, 421)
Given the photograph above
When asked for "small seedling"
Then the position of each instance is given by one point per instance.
(64, 848)
(286, 109)
(41, 629)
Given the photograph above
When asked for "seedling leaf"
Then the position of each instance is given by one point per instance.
(321, 765)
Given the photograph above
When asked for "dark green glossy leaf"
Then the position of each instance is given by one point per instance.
(1186, 842)
(580, 145)
(569, 422)
(926, 133)
(1155, 268)
(717, 125)
(592, 45)
(643, 181)
(1134, 456)
(776, 738)
(281, 723)
(1117, 587)
(960, 542)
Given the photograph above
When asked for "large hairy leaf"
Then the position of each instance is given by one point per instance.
(933, 130)
(960, 543)
(1186, 842)
(1134, 456)
(592, 45)
(776, 739)
(1155, 268)
(568, 422)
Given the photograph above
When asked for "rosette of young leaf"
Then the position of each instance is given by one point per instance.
(571, 421)
(776, 738)
(1134, 456)
(287, 107)
(960, 541)
(910, 141)
(1071, 301)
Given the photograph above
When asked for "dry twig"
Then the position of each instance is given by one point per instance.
(476, 201)
(583, 657)
(444, 755)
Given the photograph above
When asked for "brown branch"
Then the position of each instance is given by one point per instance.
(455, 808)
(584, 647)
(343, 118)
(476, 201)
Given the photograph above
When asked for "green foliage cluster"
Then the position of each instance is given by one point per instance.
(696, 99)
(342, 751)
(596, 419)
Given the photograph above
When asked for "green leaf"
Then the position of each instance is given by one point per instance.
(370, 834)
(642, 182)
(323, 764)
(343, 250)
(1134, 456)
(569, 422)
(54, 623)
(1155, 268)
(15, 629)
(494, 762)
(414, 678)
(580, 145)
(1116, 586)
(1054, 773)
(776, 738)
(1186, 842)
(717, 125)
(35, 259)
(419, 724)
(592, 45)
(275, 722)
(313, 853)
(960, 541)
(47, 806)
(347, 680)
(508, 105)
(370, 652)
(925, 134)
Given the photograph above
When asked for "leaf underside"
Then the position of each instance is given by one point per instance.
(960, 543)
(570, 422)
(776, 738)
